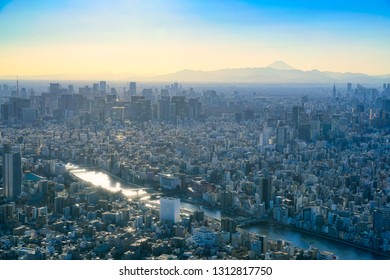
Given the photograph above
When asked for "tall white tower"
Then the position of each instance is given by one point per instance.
(170, 209)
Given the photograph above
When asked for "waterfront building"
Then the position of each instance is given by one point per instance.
(170, 209)
(169, 182)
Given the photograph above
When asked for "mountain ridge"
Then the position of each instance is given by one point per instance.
(277, 72)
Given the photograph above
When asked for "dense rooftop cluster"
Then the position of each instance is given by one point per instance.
(308, 159)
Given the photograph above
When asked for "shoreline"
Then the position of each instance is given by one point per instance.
(324, 236)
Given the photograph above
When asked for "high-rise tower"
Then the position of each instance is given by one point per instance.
(334, 91)
(170, 209)
(103, 86)
(349, 88)
(12, 172)
(133, 88)
(265, 191)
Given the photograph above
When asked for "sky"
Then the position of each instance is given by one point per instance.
(146, 38)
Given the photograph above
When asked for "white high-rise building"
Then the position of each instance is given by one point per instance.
(170, 209)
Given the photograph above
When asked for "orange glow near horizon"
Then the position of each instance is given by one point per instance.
(138, 39)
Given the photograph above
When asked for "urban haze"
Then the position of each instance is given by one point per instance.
(194, 130)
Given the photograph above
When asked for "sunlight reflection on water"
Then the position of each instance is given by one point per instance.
(103, 180)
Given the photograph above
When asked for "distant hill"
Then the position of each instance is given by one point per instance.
(280, 65)
(277, 72)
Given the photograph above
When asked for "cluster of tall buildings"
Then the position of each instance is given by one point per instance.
(100, 103)
(313, 159)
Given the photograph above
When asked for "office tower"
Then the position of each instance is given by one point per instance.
(133, 88)
(297, 110)
(7, 212)
(265, 191)
(226, 199)
(263, 239)
(334, 91)
(175, 87)
(23, 93)
(59, 204)
(228, 225)
(12, 172)
(54, 88)
(140, 109)
(304, 132)
(170, 209)
(386, 105)
(281, 138)
(163, 112)
(13, 109)
(103, 86)
(386, 89)
(180, 105)
(377, 220)
(261, 140)
(194, 108)
(349, 88)
(95, 87)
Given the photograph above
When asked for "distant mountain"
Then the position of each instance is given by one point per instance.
(277, 72)
(280, 65)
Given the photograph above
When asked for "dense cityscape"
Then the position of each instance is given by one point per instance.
(312, 159)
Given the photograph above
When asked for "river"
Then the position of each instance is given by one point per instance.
(298, 239)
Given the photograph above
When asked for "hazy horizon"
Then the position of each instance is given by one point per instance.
(117, 76)
(70, 37)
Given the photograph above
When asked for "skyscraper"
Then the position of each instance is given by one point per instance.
(133, 88)
(264, 245)
(103, 86)
(55, 88)
(164, 108)
(265, 191)
(349, 88)
(297, 110)
(12, 172)
(281, 138)
(170, 209)
(194, 108)
(95, 87)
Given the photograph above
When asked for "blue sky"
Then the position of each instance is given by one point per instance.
(155, 36)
